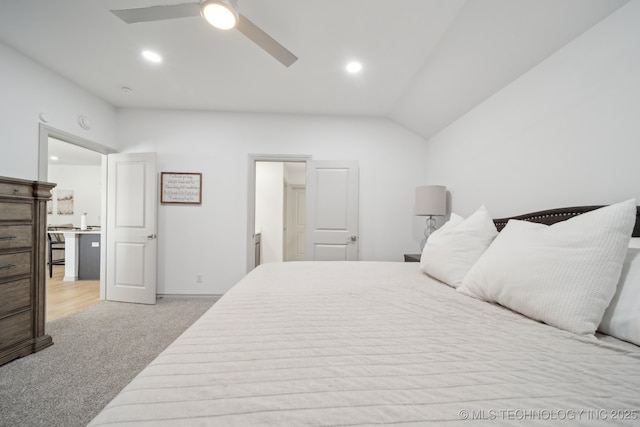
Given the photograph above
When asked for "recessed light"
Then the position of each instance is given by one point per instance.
(354, 67)
(54, 157)
(151, 56)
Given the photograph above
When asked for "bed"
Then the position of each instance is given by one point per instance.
(368, 343)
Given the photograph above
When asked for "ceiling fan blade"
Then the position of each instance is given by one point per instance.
(158, 13)
(266, 42)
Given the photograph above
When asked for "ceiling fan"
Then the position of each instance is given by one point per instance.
(221, 14)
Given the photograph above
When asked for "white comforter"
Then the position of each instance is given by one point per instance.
(365, 343)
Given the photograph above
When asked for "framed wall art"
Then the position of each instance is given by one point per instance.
(181, 188)
(65, 202)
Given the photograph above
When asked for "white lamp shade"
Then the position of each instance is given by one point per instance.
(431, 200)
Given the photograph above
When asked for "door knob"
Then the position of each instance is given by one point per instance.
(151, 236)
(354, 238)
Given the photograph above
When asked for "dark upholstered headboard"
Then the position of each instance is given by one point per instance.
(552, 216)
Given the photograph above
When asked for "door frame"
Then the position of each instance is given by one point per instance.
(44, 133)
(251, 195)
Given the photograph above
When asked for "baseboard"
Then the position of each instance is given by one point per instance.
(189, 295)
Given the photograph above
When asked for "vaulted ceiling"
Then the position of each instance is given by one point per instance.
(425, 62)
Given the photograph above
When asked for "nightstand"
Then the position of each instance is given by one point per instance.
(412, 257)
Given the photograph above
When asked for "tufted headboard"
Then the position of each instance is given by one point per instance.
(552, 216)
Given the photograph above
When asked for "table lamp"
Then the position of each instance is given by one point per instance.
(431, 200)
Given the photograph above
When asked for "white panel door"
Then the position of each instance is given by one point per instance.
(296, 220)
(132, 190)
(332, 210)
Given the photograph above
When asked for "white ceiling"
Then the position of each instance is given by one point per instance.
(426, 62)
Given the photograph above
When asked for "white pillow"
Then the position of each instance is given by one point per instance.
(451, 251)
(564, 274)
(622, 317)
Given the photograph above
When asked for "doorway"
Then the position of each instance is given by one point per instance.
(77, 166)
(331, 209)
(276, 201)
(75, 204)
(279, 221)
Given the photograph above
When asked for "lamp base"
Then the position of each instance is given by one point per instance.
(429, 228)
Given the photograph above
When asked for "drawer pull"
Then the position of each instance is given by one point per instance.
(7, 266)
(8, 237)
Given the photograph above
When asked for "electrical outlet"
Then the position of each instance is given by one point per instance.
(199, 278)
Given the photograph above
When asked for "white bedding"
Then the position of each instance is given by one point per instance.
(364, 343)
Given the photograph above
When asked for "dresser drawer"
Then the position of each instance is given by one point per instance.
(16, 211)
(15, 190)
(14, 329)
(15, 264)
(15, 236)
(15, 295)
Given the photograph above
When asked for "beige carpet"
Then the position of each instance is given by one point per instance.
(96, 352)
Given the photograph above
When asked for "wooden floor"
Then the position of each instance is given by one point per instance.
(64, 298)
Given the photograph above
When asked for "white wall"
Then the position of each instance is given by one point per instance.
(211, 238)
(566, 133)
(85, 181)
(29, 89)
(269, 209)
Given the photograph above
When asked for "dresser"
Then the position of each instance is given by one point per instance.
(23, 217)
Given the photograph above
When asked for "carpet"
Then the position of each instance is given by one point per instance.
(96, 352)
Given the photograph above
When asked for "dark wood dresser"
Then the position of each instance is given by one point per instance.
(23, 227)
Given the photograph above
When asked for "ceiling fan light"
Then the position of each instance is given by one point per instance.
(222, 14)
